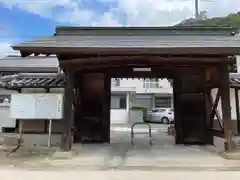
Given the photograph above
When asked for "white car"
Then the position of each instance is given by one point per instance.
(161, 115)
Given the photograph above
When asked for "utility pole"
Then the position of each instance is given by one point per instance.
(196, 9)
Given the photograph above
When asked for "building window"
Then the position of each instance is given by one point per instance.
(8, 130)
(122, 103)
(118, 102)
(163, 102)
(144, 101)
(151, 83)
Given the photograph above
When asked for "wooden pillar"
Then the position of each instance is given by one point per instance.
(237, 110)
(106, 108)
(177, 111)
(224, 91)
(92, 121)
(66, 142)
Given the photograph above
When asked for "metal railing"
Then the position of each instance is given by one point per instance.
(149, 131)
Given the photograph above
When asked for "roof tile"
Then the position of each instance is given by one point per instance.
(32, 80)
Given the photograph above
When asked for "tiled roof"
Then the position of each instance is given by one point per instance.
(134, 40)
(53, 80)
(75, 41)
(32, 80)
(29, 64)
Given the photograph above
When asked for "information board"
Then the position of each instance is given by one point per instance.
(36, 106)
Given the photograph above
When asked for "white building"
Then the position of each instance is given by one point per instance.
(149, 92)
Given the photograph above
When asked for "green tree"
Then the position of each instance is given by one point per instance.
(232, 20)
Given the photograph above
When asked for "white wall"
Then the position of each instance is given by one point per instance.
(238, 63)
(119, 116)
(6, 92)
(138, 83)
(5, 119)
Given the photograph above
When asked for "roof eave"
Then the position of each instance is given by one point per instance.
(144, 29)
(28, 50)
(32, 87)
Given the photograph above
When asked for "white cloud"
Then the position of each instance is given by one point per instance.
(5, 49)
(123, 12)
(116, 12)
(5, 34)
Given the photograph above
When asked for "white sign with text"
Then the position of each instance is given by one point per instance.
(36, 106)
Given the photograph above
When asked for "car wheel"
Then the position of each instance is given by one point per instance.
(165, 120)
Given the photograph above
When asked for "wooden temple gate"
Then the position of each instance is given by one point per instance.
(90, 57)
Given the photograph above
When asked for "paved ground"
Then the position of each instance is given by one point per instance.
(163, 156)
(115, 175)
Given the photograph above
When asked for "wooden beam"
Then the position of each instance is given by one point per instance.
(140, 59)
(108, 65)
(224, 90)
(119, 67)
(73, 56)
(237, 110)
(66, 142)
(127, 72)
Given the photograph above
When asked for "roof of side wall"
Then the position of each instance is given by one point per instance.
(57, 80)
(29, 64)
(33, 80)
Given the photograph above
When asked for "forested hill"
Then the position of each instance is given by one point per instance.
(232, 20)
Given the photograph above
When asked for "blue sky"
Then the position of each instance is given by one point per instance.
(23, 25)
(21, 20)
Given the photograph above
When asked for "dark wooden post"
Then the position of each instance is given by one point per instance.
(177, 113)
(66, 143)
(237, 110)
(224, 90)
(106, 108)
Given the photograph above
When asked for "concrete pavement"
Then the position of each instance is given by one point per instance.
(115, 175)
(121, 155)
